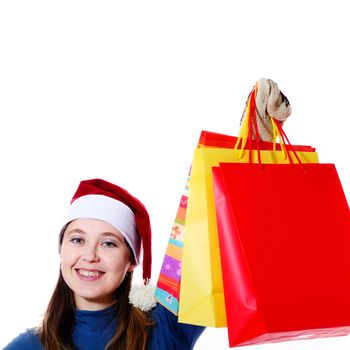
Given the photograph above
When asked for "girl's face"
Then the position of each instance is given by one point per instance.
(94, 261)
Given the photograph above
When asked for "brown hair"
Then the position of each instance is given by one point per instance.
(58, 322)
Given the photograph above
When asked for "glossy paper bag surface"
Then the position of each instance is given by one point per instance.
(201, 289)
(168, 284)
(284, 233)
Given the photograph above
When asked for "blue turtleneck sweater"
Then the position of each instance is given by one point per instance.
(94, 329)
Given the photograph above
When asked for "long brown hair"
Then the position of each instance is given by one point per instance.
(58, 323)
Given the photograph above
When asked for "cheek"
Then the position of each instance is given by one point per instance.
(67, 256)
(120, 263)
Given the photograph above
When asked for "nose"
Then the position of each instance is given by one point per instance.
(90, 254)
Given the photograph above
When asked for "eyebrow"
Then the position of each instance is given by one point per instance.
(76, 230)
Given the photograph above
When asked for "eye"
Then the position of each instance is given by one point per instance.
(109, 244)
(77, 240)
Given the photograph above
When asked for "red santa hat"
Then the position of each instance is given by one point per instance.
(102, 200)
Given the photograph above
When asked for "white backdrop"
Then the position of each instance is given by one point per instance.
(121, 91)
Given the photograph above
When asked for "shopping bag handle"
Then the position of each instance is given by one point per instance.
(285, 139)
(250, 126)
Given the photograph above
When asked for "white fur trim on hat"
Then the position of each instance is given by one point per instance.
(110, 210)
(142, 296)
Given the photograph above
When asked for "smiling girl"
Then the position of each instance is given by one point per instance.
(104, 232)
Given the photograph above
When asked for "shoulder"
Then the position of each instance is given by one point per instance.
(162, 314)
(168, 331)
(29, 340)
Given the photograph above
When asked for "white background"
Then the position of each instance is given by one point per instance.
(121, 91)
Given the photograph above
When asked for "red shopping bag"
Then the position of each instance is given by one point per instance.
(284, 235)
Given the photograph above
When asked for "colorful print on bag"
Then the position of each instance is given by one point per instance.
(168, 285)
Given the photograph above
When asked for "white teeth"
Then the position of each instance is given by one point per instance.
(89, 273)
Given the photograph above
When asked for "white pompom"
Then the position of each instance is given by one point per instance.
(142, 296)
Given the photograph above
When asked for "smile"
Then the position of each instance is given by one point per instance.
(89, 275)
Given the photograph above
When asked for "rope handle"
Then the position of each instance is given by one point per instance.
(250, 126)
(286, 141)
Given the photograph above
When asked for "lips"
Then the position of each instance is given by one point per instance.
(89, 275)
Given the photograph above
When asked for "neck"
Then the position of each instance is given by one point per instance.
(93, 305)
